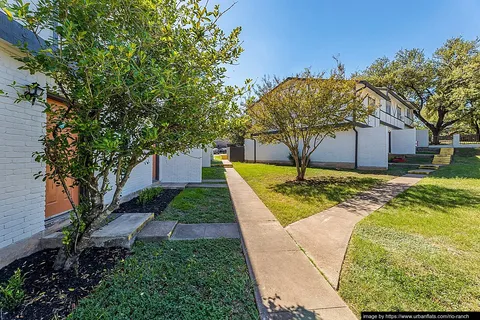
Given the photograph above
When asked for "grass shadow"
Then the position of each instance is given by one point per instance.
(333, 188)
(277, 311)
(436, 197)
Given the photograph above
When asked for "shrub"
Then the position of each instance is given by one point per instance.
(12, 293)
(147, 195)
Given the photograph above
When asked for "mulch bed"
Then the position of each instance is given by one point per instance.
(156, 206)
(52, 293)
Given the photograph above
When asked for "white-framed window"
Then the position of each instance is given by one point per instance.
(399, 112)
(389, 107)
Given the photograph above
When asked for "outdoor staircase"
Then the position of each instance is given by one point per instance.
(444, 158)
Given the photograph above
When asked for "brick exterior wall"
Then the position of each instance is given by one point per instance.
(22, 198)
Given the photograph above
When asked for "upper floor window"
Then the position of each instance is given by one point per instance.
(411, 113)
(389, 107)
(372, 102)
(399, 112)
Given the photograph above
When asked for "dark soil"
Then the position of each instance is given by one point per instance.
(156, 206)
(52, 293)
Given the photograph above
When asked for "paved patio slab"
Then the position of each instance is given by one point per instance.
(156, 231)
(288, 286)
(324, 236)
(205, 231)
(214, 181)
(122, 231)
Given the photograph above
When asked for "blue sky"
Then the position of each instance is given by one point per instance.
(283, 37)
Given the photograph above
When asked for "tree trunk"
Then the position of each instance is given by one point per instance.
(435, 136)
(298, 167)
(477, 131)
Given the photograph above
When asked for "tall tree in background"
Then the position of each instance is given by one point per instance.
(438, 87)
(303, 110)
(140, 77)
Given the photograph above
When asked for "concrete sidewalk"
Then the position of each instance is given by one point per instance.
(324, 236)
(288, 286)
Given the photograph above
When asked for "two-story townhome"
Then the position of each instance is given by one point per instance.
(393, 111)
(389, 129)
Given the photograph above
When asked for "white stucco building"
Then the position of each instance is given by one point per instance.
(387, 130)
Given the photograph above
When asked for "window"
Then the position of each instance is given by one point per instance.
(389, 107)
(372, 102)
(410, 113)
(399, 112)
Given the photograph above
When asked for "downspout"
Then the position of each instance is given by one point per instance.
(356, 147)
(254, 150)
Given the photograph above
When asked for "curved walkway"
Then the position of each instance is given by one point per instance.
(288, 285)
(324, 236)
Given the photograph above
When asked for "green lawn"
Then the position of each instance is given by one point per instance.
(200, 205)
(213, 173)
(290, 201)
(202, 279)
(422, 250)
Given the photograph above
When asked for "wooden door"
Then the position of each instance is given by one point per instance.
(56, 201)
(155, 168)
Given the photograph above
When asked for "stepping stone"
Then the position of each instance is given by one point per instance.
(188, 232)
(222, 230)
(122, 231)
(156, 231)
(421, 171)
(168, 185)
(207, 185)
(205, 231)
(429, 166)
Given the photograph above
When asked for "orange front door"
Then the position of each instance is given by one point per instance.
(56, 201)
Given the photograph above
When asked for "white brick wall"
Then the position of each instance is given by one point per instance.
(22, 198)
(182, 168)
(207, 156)
(140, 178)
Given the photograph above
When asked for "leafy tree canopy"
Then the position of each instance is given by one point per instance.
(302, 111)
(139, 77)
(439, 87)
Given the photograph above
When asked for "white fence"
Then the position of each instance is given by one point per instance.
(332, 152)
(403, 141)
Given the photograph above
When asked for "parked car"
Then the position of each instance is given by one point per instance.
(215, 151)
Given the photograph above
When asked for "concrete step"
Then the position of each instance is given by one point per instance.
(429, 166)
(447, 151)
(421, 171)
(207, 185)
(122, 231)
(227, 164)
(51, 241)
(156, 231)
(214, 181)
(442, 159)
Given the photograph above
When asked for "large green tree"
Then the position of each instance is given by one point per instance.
(139, 77)
(438, 86)
(302, 111)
